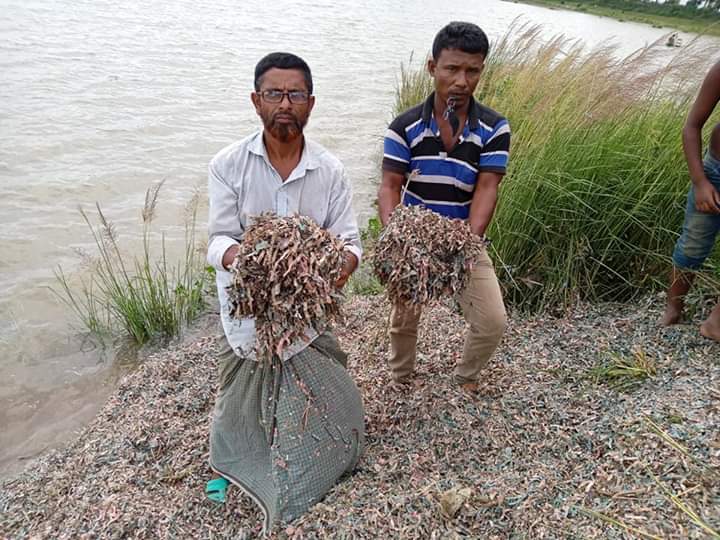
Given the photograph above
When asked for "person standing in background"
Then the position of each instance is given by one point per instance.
(702, 211)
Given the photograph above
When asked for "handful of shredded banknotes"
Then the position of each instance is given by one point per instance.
(422, 256)
(284, 276)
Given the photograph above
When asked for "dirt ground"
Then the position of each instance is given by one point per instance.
(597, 424)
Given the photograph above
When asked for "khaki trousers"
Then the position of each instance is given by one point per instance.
(482, 305)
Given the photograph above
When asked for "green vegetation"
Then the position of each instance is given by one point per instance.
(363, 281)
(145, 297)
(698, 17)
(624, 373)
(595, 194)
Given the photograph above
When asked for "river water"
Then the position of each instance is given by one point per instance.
(101, 98)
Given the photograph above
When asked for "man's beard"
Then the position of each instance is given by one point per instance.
(282, 131)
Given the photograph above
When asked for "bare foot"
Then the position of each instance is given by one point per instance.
(680, 282)
(672, 315)
(470, 388)
(710, 329)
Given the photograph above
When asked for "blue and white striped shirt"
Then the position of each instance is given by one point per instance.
(445, 181)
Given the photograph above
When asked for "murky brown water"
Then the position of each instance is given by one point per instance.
(98, 99)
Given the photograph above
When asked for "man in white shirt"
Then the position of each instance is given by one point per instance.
(280, 171)
(276, 170)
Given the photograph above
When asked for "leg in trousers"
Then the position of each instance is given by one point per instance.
(483, 307)
(403, 341)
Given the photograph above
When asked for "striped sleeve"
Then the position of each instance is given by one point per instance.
(496, 151)
(396, 152)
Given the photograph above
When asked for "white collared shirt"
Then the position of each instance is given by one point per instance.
(242, 183)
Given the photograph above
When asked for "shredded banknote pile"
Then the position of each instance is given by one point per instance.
(422, 256)
(284, 277)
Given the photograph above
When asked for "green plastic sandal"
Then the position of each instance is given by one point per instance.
(215, 490)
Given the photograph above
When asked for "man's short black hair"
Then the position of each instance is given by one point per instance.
(282, 60)
(465, 36)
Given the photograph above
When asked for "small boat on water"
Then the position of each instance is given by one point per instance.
(674, 40)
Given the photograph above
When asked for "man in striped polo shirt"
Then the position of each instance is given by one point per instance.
(452, 152)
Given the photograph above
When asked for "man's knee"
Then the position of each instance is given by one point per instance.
(489, 323)
(495, 325)
(404, 321)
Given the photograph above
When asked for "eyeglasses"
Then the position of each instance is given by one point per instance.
(294, 96)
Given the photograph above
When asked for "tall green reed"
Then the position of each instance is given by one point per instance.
(145, 295)
(594, 197)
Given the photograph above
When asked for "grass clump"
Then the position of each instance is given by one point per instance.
(594, 197)
(363, 281)
(145, 296)
(624, 373)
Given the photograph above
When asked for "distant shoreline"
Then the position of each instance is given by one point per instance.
(655, 20)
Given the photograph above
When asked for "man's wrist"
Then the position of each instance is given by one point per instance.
(350, 263)
(229, 256)
(478, 230)
(701, 182)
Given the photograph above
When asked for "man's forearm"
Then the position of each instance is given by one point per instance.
(693, 154)
(482, 210)
(388, 199)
